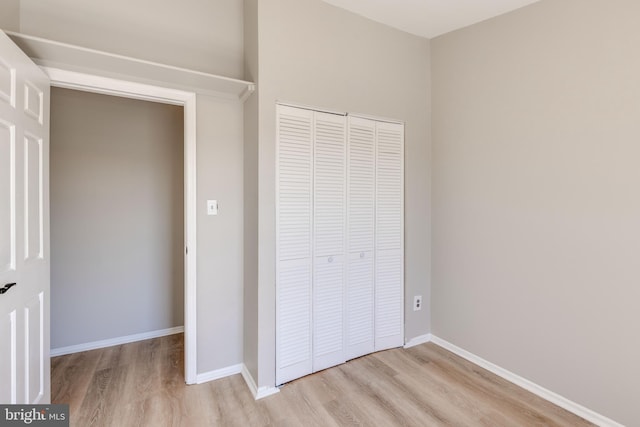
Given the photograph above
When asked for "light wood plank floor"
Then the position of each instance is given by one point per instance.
(142, 384)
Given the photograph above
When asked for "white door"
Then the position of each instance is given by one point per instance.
(361, 170)
(329, 200)
(24, 228)
(294, 186)
(389, 263)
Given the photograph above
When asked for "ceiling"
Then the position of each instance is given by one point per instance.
(429, 18)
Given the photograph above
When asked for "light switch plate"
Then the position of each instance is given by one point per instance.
(212, 207)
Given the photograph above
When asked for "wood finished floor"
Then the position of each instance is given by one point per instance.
(142, 384)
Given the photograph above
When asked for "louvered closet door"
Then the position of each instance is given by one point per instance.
(389, 264)
(329, 240)
(360, 237)
(294, 174)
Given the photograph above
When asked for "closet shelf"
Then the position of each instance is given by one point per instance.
(49, 53)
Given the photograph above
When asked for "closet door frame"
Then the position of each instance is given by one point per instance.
(308, 366)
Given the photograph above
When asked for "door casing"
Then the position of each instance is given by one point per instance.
(116, 87)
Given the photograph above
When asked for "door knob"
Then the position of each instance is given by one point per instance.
(6, 287)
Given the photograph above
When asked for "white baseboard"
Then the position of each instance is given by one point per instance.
(115, 341)
(258, 393)
(219, 373)
(534, 388)
(417, 340)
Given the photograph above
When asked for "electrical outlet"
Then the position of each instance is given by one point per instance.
(417, 303)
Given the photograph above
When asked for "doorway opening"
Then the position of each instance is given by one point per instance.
(184, 102)
(117, 220)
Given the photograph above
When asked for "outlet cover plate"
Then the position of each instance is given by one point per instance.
(417, 302)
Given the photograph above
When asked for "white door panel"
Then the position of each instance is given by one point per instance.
(329, 196)
(328, 308)
(24, 228)
(360, 237)
(294, 186)
(389, 269)
(389, 300)
(360, 310)
(294, 347)
(7, 200)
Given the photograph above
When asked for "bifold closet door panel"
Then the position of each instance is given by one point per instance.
(329, 239)
(294, 216)
(389, 261)
(360, 237)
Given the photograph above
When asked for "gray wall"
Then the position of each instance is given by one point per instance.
(10, 15)
(208, 37)
(220, 238)
(250, 302)
(116, 217)
(198, 34)
(535, 194)
(315, 54)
